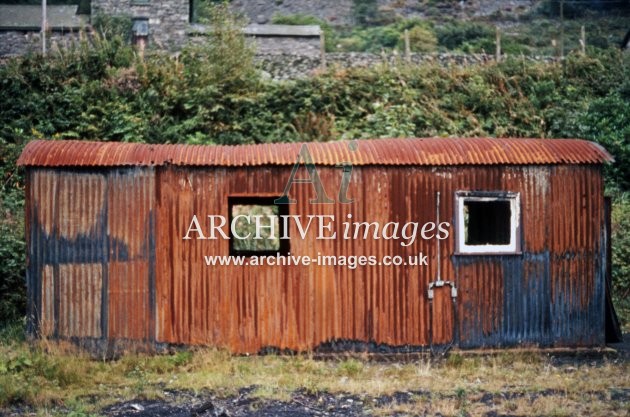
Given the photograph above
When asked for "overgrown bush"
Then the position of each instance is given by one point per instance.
(113, 26)
(12, 246)
(455, 35)
(422, 39)
(225, 59)
(378, 38)
(621, 256)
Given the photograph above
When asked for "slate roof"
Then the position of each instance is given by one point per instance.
(29, 17)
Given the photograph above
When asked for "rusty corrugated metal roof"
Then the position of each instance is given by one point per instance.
(429, 151)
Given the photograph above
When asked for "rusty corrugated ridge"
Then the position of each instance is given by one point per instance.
(422, 152)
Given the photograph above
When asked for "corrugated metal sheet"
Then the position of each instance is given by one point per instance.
(432, 151)
(90, 251)
(80, 295)
(539, 297)
(130, 205)
(66, 251)
(118, 233)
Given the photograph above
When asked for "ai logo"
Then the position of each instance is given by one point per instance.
(304, 157)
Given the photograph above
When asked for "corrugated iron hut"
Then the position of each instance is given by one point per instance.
(122, 239)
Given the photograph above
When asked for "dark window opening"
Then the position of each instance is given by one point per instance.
(140, 31)
(487, 222)
(250, 214)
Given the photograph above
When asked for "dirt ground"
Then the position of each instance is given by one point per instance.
(303, 404)
(182, 404)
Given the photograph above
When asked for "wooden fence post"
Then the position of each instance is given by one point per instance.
(407, 47)
(322, 49)
(497, 54)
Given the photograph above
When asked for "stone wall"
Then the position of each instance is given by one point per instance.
(168, 19)
(274, 45)
(15, 42)
(270, 45)
(283, 67)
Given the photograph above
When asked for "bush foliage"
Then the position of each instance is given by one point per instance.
(213, 94)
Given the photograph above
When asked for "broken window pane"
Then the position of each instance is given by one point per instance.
(487, 222)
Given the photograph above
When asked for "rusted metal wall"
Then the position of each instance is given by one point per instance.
(67, 251)
(551, 294)
(130, 231)
(106, 260)
(90, 253)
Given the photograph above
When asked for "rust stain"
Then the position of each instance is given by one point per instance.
(429, 151)
(80, 300)
(129, 312)
(78, 216)
(107, 259)
(442, 316)
(47, 323)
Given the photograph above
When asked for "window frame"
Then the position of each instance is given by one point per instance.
(136, 22)
(512, 248)
(258, 200)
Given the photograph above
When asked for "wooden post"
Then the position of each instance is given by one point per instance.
(497, 54)
(561, 29)
(583, 40)
(322, 49)
(407, 47)
(44, 24)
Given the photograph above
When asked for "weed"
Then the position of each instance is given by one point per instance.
(350, 368)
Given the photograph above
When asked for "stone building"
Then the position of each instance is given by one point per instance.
(164, 25)
(167, 21)
(20, 27)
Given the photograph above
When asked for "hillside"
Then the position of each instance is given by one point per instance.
(526, 27)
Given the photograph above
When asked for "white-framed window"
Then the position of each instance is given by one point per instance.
(488, 222)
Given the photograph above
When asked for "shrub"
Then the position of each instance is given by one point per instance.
(378, 38)
(12, 246)
(422, 39)
(226, 58)
(454, 35)
(113, 26)
(621, 256)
